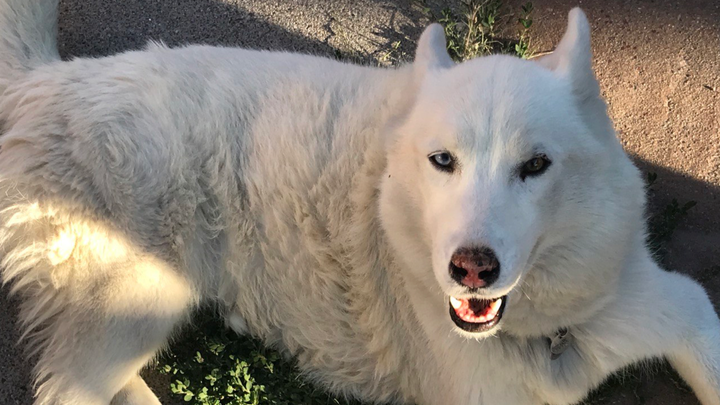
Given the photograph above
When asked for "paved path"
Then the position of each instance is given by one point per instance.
(658, 62)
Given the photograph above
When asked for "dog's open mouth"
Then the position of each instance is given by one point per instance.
(476, 315)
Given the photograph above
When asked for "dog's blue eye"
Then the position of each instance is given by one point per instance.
(443, 161)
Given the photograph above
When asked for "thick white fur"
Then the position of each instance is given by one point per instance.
(296, 192)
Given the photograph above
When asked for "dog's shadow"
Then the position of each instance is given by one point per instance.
(106, 27)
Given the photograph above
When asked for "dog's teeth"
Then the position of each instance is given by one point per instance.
(495, 306)
(455, 302)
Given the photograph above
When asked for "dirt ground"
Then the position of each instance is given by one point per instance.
(658, 62)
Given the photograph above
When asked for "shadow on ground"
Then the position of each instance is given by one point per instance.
(106, 27)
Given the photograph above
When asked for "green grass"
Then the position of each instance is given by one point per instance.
(473, 28)
(482, 27)
(211, 365)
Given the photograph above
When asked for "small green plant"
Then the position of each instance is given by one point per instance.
(522, 46)
(393, 55)
(211, 365)
(480, 27)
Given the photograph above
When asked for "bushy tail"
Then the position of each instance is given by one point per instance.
(28, 37)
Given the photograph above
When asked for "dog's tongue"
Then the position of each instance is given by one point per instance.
(475, 310)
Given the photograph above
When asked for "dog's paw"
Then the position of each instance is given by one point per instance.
(237, 323)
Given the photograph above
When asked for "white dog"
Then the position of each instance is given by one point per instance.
(435, 234)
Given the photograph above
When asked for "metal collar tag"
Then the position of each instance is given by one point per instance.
(560, 342)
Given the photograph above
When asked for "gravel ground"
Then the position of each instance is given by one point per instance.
(658, 62)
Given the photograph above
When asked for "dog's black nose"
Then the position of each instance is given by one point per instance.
(475, 267)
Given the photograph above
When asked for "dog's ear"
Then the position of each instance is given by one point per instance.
(572, 60)
(431, 51)
(572, 57)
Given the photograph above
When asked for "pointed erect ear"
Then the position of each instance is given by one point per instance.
(431, 52)
(572, 57)
(572, 60)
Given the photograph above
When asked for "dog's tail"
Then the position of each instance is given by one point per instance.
(28, 37)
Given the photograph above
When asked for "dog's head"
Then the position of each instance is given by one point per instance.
(508, 197)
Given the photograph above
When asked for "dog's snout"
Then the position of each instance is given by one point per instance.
(476, 267)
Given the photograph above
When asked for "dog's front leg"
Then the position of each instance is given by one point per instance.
(655, 313)
(696, 352)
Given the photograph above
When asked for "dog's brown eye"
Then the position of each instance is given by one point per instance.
(443, 161)
(535, 166)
